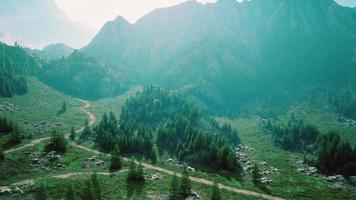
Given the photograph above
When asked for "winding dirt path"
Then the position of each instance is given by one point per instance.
(92, 120)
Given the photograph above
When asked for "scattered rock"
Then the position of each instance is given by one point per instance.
(93, 161)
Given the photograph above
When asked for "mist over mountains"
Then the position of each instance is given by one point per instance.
(38, 23)
(234, 49)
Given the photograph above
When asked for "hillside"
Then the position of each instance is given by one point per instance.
(14, 64)
(83, 76)
(234, 52)
(51, 52)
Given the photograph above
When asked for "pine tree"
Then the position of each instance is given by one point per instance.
(132, 170)
(15, 137)
(72, 134)
(2, 156)
(88, 191)
(96, 187)
(256, 176)
(57, 143)
(70, 195)
(41, 193)
(215, 192)
(116, 163)
(139, 173)
(174, 190)
(185, 184)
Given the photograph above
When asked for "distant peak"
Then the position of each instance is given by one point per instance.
(121, 19)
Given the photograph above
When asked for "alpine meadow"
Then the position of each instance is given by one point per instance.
(177, 99)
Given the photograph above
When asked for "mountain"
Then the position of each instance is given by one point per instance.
(52, 51)
(83, 76)
(235, 52)
(37, 23)
(14, 64)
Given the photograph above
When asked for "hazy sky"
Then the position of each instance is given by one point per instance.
(96, 12)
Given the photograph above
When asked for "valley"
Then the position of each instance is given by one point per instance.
(195, 101)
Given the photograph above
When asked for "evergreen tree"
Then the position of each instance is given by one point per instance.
(132, 170)
(139, 173)
(86, 131)
(41, 193)
(70, 195)
(215, 192)
(57, 143)
(88, 191)
(96, 187)
(256, 176)
(185, 184)
(15, 137)
(116, 163)
(72, 134)
(2, 156)
(174, 190)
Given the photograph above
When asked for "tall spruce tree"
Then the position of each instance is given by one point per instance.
(116, 162)
(87, 193)
(41, 193)
(215, 192)
(256, 176)
(72, 134)
(185, 184)
(70, 195)
(174, 190)
(96, 187)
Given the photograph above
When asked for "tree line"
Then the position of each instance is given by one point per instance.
(329, 152)
(14, 64)
(11, 132)
(159, 117)
(295, 136)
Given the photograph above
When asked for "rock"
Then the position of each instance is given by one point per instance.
(17, 190)
(191, 169)
(5, 190)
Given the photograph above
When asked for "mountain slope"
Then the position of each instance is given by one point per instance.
(235, 52)
(14, 64)
(37, 23)
(83, 76)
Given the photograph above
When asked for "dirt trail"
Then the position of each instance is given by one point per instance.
(92, 120)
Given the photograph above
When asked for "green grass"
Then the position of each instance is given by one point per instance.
(115, 104)
(117, 187)
(289, 184)
(50, 103)
(17, 164)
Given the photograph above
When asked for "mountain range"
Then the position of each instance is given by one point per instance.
(233, 51)
(38, 23)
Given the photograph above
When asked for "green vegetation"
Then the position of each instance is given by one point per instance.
(174, 190)
(215, 192)
(135, 172)
(10, 132)
(72, 134)
(295, 137)
(41, 193)
(256, 176)
(14, 63)
(185, 184)
(177, 124)
(334, 155)
(116, 160)
(57, 143)
(82, 76)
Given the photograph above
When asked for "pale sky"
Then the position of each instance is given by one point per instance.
(96, 12)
